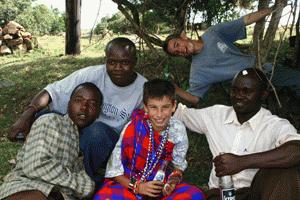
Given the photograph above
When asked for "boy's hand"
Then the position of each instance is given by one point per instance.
(150, 188)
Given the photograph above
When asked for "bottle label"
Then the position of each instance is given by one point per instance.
(228, 194)
(160, 176)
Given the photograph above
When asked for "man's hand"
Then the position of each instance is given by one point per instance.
(151, 188)
(227, 164)
(281, 3)
(22, 125)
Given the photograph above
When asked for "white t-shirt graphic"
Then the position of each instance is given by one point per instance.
(118, 102)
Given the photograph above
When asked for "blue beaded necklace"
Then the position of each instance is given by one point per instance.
(152, 155)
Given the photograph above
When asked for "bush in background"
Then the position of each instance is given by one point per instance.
(40, 20)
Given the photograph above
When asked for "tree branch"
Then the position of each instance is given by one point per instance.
(137, 28)
(271, 31)
(181, 16)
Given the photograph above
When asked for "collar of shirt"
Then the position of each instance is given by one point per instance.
(67, 118)
(253, 121)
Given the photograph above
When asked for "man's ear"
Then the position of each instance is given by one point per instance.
(264, 95)
(135, 58)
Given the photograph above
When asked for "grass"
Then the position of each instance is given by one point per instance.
(8, 151)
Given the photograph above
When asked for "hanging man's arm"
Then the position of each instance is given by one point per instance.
(260, 14)
(186, 96)
(256, 16)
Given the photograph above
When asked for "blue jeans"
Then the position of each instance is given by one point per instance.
(96, 142)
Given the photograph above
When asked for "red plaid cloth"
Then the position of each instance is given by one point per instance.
(114, 191)
(134, 152)
(135, 146)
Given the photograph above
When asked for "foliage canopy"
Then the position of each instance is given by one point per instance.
(39, 19)
(150, 17)
(10, 9)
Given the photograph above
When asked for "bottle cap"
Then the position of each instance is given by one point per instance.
(226, 182)
(20, 137)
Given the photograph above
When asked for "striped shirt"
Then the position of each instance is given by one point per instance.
(48, 159)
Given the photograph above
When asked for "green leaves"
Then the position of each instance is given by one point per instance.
(38, 20)
(9, 9)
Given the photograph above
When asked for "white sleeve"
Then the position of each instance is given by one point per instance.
(60, 91)
(192, 118)
(114, 165)
(285, 132)
(180, 147)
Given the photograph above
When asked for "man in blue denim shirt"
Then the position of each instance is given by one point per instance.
(214, 56)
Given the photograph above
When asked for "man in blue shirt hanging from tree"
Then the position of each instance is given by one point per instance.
(215, 58)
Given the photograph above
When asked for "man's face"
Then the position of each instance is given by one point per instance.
(84, 107)
(160, 112)
(119, 65)
(181, 46)
(246, 95)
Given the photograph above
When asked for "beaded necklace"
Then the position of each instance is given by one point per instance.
(152, 155)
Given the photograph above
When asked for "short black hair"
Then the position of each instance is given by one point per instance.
(91, 86)
(259, 74)
(158, 88)
(123, 43)
(167, 40)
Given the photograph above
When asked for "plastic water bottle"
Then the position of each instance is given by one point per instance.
(161, 173)
(227, 191)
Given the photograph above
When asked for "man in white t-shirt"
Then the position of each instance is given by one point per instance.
(122, 90)
(252, 139)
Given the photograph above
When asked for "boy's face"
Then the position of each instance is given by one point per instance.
(160, 111)
(84, 107)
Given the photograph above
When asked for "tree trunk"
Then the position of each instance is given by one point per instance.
(297, 44)
(181, 16)
(258, 32)
(294, 17)
(73, 32)
(270, 35)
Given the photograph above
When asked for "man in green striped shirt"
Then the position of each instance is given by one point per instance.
(48, 165)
